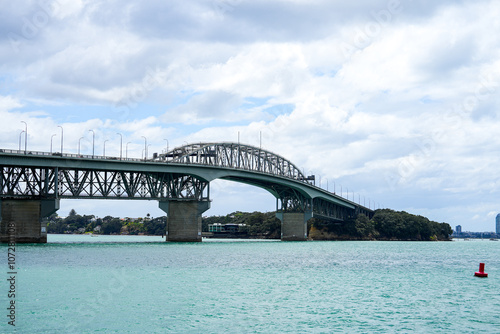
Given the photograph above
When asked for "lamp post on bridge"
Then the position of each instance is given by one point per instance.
(25, 136)
(62, 138)
(126, 150)
(167, 145)
(93, 142)
(20, 140)
(144, 151)
(52, 137)
(145, 148)
(79, 140)
(121, 144)
(104, 149)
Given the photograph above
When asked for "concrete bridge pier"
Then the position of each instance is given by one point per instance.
(22, 220)
(294, 225)
(184, 219)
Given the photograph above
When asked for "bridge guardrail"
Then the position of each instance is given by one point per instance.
(68, 155)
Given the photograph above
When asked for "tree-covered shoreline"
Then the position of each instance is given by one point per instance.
(78, 224)
(386, 224)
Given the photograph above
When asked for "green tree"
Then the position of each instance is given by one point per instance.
(405, 226)
(112, 226)
(445, 231)
(156, 226)
(364, 227)
(135, 228)
(55, 224)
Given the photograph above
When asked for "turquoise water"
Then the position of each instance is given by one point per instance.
(139, 284)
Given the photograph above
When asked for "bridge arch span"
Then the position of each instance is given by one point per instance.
(233, 155)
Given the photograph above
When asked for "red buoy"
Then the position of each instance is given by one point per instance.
(481, 272)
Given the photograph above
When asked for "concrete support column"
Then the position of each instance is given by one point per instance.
(184, 219)
(22, 220)
(293, 225)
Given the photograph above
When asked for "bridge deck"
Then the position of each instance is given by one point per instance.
(191, 166)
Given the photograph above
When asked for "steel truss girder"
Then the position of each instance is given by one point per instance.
(291, 200)
(331, 211)
(27, 182)
(234, 155)
(364, 211)
(33, 182)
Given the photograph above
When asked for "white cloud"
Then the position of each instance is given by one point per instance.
(205, 107)
(8, 103)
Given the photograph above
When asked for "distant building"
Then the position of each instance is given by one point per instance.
(458, 229)
(225, 228)
(498, 224)
(217, 227)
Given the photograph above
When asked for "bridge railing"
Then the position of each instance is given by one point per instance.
(68, 155)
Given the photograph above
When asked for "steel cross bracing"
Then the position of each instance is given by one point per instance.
(331, 211)
(294, 201)
(32, 182)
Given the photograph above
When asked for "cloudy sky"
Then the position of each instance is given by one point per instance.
(395, 101)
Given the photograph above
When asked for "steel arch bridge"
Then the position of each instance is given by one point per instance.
(174, 178)
(299, 195)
